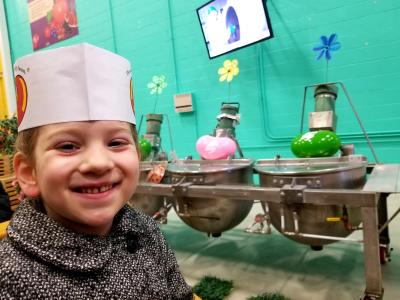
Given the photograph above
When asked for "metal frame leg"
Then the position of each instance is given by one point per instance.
(384, 237)
(372, 264)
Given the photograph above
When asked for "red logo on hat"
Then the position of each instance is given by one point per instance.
(22, 97)
(131, 96)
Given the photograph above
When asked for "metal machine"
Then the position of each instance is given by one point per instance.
(213, 215)
(153, 169)
(291, 217)
(306, 223)
(313, 201)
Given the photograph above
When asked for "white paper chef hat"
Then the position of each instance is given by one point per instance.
(74, 83)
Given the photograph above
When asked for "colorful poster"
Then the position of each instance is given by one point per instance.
(52, 21)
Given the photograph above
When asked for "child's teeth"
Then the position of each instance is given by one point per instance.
(96, 190)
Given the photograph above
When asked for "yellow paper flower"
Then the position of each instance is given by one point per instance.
(229, 70)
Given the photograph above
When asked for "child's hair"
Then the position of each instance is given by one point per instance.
(26, 142)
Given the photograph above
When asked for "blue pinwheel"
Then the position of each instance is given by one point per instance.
(328, 45)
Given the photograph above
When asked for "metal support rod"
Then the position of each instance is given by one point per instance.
(296, 222)
(388, 221)
(354, 198)
(383, 215)
(265, 208)
(282, 218)
(169, 133)
(140, 124)
(239, 150)
(359, 122)
(372, 263)
(319, 236)
(303, 109)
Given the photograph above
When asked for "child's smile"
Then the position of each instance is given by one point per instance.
(94, 190)
(101, 183)
(85, 172)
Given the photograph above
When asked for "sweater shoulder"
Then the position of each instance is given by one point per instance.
(12, 267)
(11, 260)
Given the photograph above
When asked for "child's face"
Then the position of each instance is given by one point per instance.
(85, 172)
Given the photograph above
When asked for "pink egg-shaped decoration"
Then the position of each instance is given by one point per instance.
(211, 148)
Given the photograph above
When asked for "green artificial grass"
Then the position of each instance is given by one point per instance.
(269, 296)
(213, 288)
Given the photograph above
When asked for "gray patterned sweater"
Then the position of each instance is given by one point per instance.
(41, 259)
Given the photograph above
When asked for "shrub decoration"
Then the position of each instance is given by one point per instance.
(213, 288)
(8, 135)
(269, 296)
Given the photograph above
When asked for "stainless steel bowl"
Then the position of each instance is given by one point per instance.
(347, 172)
(211, 215)
(149, 204)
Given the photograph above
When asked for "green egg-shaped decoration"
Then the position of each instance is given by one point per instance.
(144, 148)
(322, 143)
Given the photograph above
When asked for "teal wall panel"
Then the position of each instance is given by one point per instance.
(164, 37)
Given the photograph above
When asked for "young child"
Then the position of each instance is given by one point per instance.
(74, 237)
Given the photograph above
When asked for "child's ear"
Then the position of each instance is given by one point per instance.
(26, 176)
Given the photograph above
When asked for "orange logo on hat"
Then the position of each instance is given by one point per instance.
(22, 97)
(131, 96)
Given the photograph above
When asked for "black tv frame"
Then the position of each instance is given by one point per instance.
(241, 47)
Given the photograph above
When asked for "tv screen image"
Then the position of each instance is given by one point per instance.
(228, 25)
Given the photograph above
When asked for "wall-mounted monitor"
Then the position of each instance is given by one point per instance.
(229, 25)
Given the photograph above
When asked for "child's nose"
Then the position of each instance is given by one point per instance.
(96, 160)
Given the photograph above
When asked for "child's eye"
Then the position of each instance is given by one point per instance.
(117, 143)
(67, 147)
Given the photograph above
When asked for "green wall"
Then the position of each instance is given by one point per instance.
(164, 37)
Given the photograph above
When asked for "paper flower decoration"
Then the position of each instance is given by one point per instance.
(229, 70)
(327, 45)
(157, 84)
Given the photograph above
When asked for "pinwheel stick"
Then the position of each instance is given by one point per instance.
(326, 73)
(155, 104)
(229, 91)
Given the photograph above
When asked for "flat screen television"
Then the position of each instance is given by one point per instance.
(228, 25)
